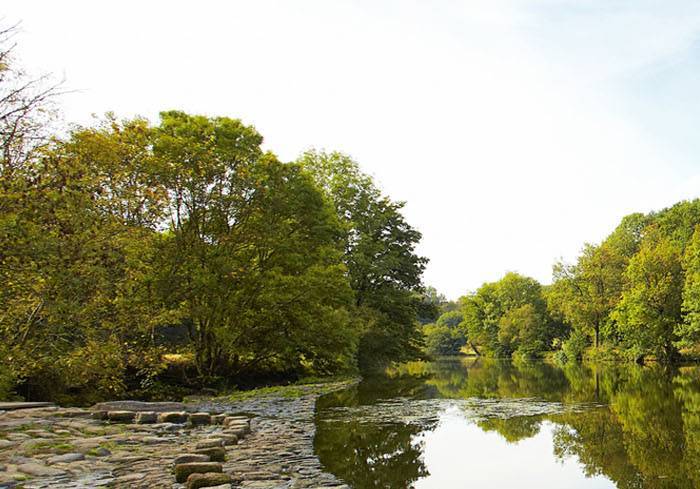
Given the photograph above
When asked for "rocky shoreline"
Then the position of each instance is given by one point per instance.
(265, 442)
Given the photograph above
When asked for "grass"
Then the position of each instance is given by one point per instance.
(48, 447)
(303, 387)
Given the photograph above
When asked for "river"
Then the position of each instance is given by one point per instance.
(461, 422)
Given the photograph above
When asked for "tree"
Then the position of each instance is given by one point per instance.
(446, 336)
(587, 292)
(74, 245)
(26, 108)
(689, 330)
(379, 252)
(252, 259)
(523, 330)
(429, 302)
(508, 315)
(649, 312)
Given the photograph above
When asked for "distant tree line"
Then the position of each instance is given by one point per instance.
(116, 235)
(634, 296)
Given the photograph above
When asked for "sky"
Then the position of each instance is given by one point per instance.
(515, 130)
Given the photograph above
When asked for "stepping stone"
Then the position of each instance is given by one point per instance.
(236, 420)
(177, 417)
(200, 418)
(191, 457)
(121, 416)
(210, 443)
(218, 418)
(215, 454)
(229, 439)
(183, 471)
(146, 417)
(239, 432)
(211, 479)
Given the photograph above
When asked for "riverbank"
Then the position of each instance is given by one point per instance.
(74, 448)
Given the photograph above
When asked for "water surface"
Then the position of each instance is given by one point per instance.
(459, 423)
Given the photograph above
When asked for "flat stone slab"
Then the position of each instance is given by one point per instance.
(11, 406)
(140, 406)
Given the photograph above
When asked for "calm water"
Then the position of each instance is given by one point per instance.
(461, 423)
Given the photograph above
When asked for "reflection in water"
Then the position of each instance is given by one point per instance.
(459, 421)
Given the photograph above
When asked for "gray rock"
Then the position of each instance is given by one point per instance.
(139, 406)
(39, 470)
(66, 458)
(146, 417)
(191, 457)
(135, 477)
(6, 444)
(9, 406)
(167, 427)
(100, 452)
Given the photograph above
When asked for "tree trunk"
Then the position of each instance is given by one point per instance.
(597, 336)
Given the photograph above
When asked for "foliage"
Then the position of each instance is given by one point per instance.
(379, 252)
(446, 336)
(689, 331)
(252, 260)
(635, 294)
(26, 110)
(508, 316)
(650, 309)
(123, 230)
(575, 345)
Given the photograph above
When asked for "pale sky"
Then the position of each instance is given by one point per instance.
(516, 130)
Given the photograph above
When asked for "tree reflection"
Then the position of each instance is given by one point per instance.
(638, 426)
(513, 429)
(370, 455)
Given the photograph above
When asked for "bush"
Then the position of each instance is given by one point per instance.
(575, 345)
(443, 340)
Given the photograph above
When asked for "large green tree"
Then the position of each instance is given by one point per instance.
(379, 251)
(689, 330)
(74, 245)
(649, 312)
(508, 315)
(252, 257)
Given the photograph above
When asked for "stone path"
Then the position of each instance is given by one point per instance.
(54, 447)
(279, 453)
